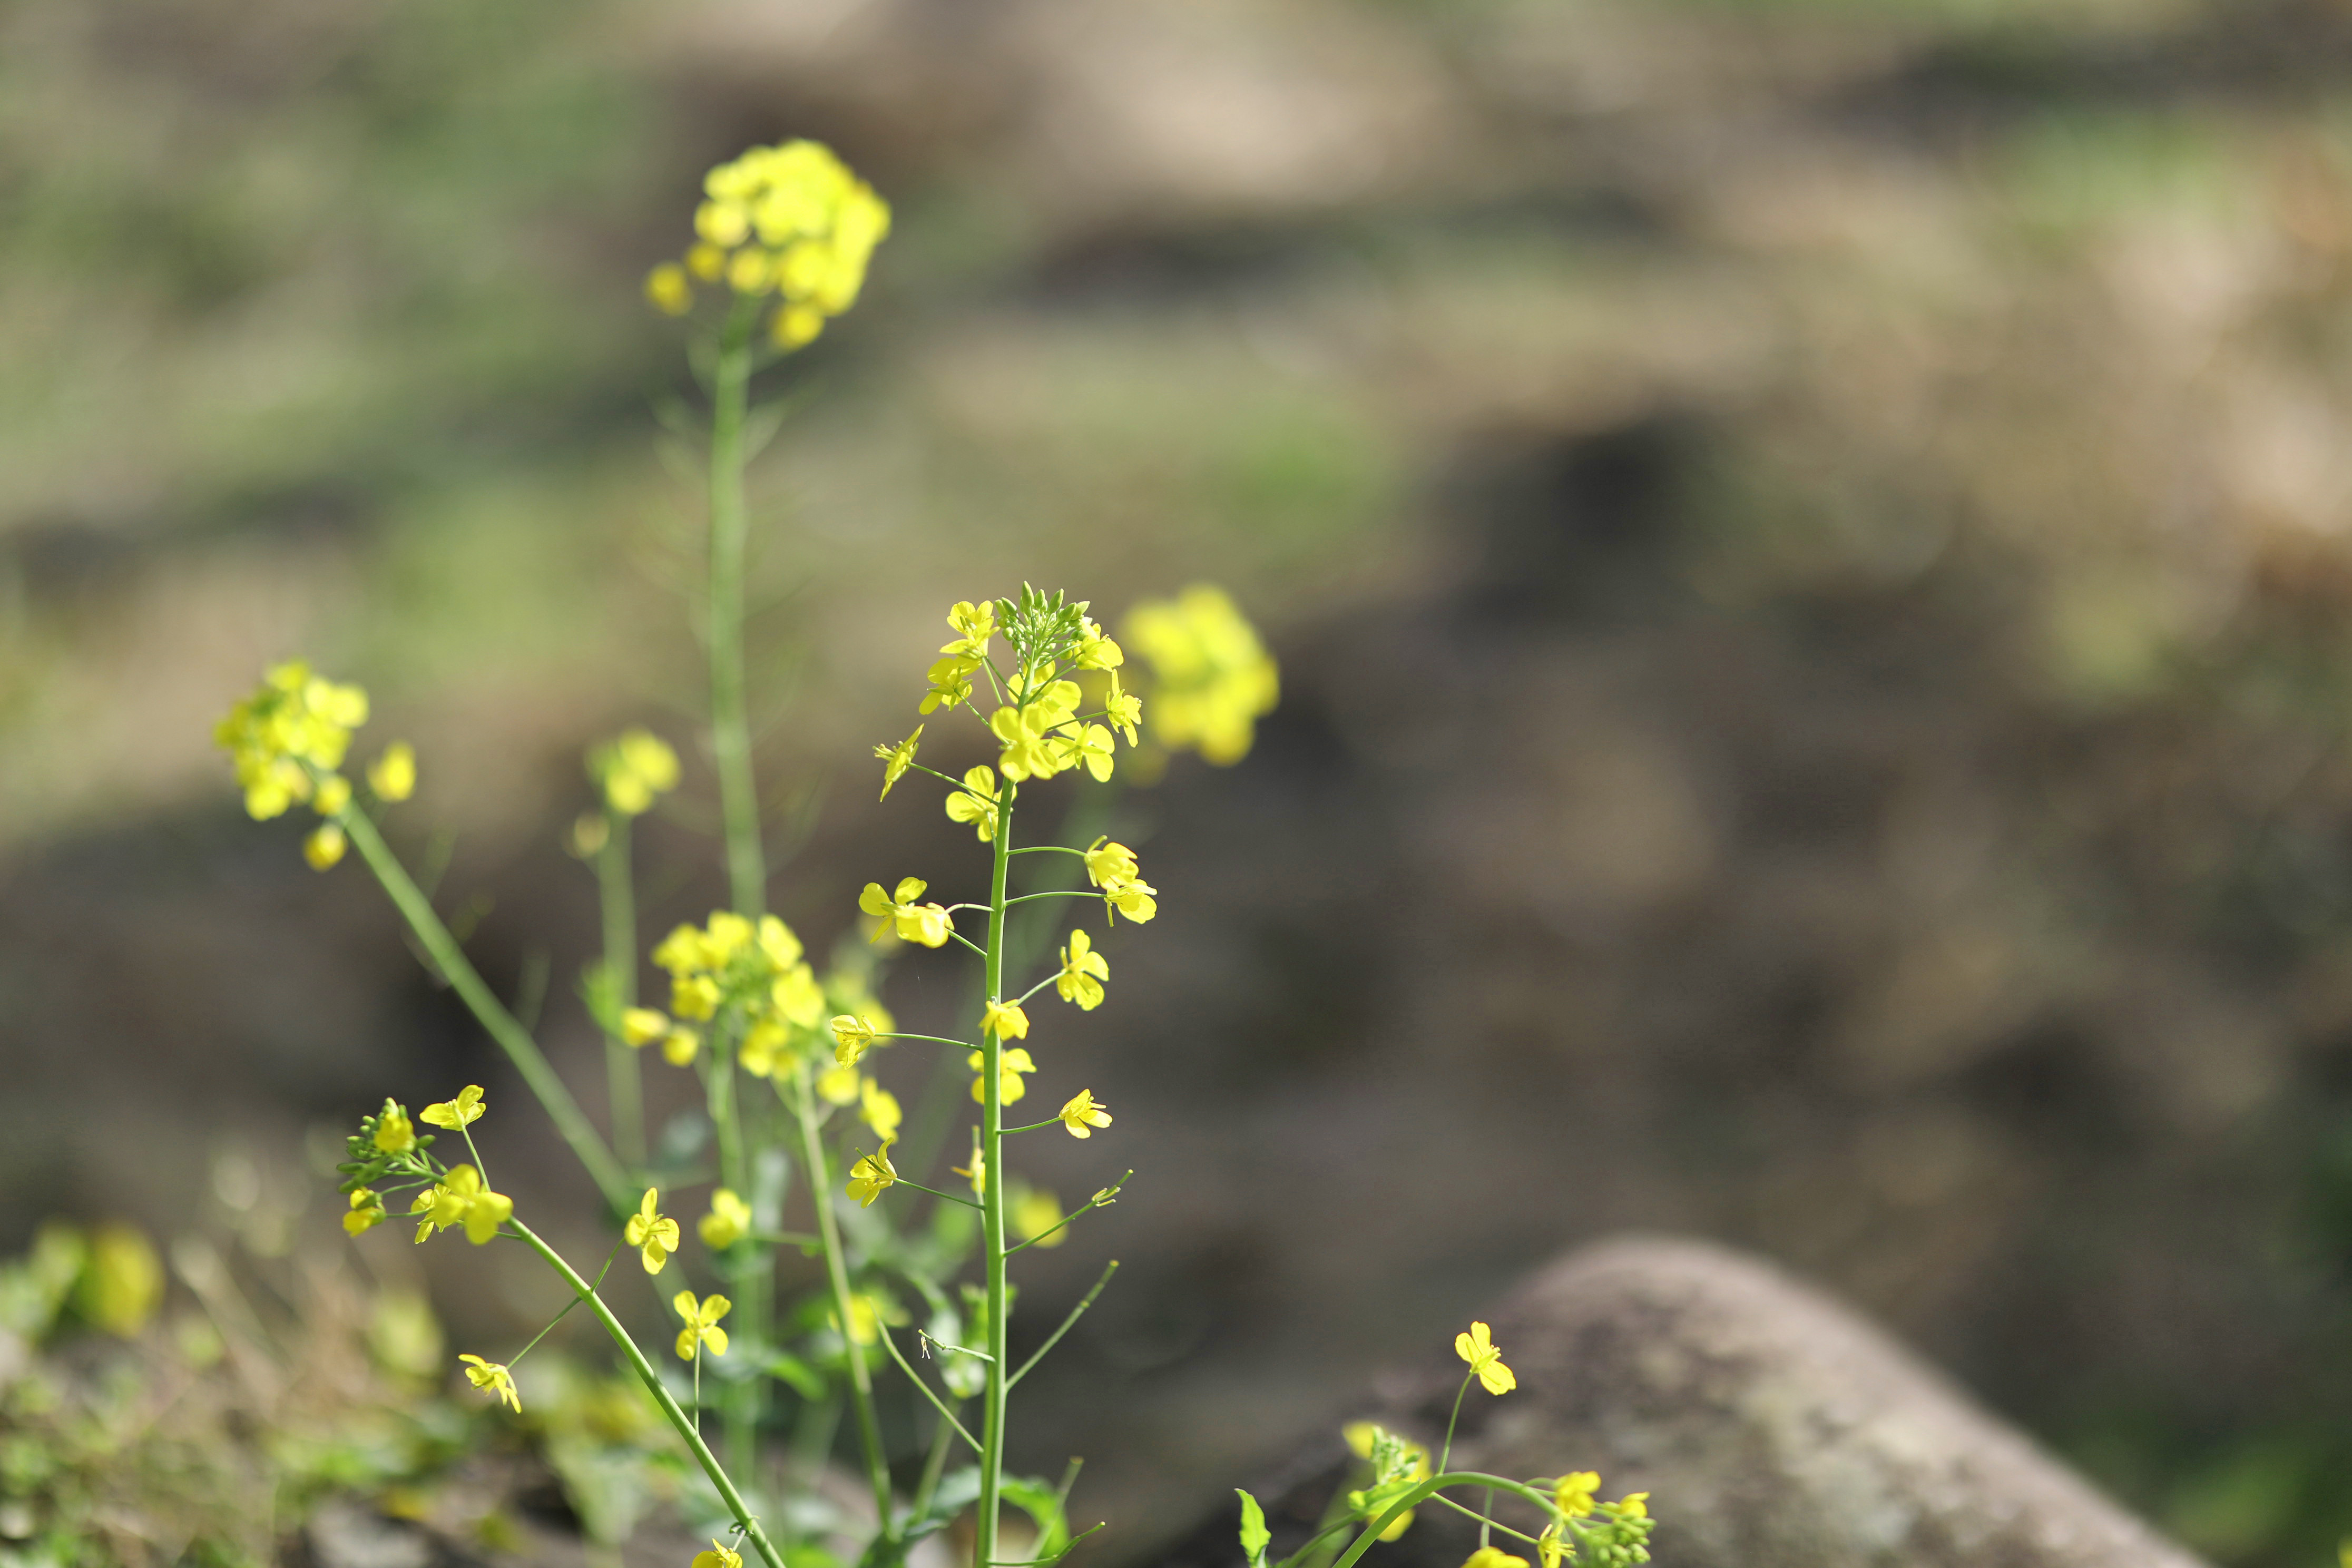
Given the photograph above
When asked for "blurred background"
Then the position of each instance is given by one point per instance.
(1809, 543)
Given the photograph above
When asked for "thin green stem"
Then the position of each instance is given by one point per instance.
(1430, 1488)
(1483, 1522)
(731, 730)
(925, 1389)
(861, 1387)
(1057, 893)
(616, 895)
(903, 1181)
(501, 1026)
(745, 1520)
(935, 1465)
(935, 1039)
(1447, 1451)
(516, 1359)
(992, 1457)
(1067, 1324)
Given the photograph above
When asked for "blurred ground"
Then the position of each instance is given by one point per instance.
(1808, 542)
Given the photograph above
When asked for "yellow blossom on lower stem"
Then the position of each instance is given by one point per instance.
(1010, 1065)
(462, 1111)
(1573, 1497)
(366, 1213)
(494, 1377)
(1108, 863)
(977, 1172)
(653, 1234)
(976, 802)
(838, 1085)
(1133, 899)
(879, 1109)
(898, 759)
(679, 1044)
(458, 1198)
(720, 1555)
(853, 1037)
(1083, 1114)
(667, 290)
(1477, 1348)
(1083, 973)
(728, 1221)
(870, 1175)
(1005, 1020)
(641, 1026)
(324, 847)
(1494, 1557)
(334, 792)
(701, 1324)
(393, 776)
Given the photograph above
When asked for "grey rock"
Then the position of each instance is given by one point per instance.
(1772, 1428)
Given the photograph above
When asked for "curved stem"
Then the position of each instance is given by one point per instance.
(491, 1014)
(861, 1387)
(731, 730)
(1429, 1489)
(744, 1519)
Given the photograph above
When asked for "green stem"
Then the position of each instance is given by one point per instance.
(501, 1024)
(731, 730)
(616, 892)
(1068, 1324)
(1430, 1488)
(992, 1457)
(861, 1387)
(744, 1519)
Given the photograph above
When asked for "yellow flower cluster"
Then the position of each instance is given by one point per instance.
(1213, 678)
(789, 220)
(928, 924)
(288, 738)
(1037, 725)
(1112, 868)
(460, 1198)
(733, 961)
(633, 768)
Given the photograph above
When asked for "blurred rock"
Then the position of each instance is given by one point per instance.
(1772, 1428)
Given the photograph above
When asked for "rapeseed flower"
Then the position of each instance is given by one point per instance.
(898, 759)
(853, 1037)
(324, 847)
(633, 768)
(1010, 1065)
(1083, 1114)
(652, 1233)
(928, 924)
(1035, 1214)
(1213, 678)
(393, 1133)
(1494, 1557)
(493, 1376)
(641, 1026)
(460, 1198)
(976, 802)
(1083, 973)
(454, 1114)
(1109, 864)
(1573, 1497)
(393, 776)
(1477, 1348)
(701, 1323)
(879, 1109)
(1133, 899)
(728, 1221)
(838, 1085)
(365, 1213)
(288, 735)
(1004, 1019)
(720, 1555)
(871, 1174)
(1123, 709)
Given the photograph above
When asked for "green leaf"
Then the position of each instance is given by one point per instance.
(1255, 1537)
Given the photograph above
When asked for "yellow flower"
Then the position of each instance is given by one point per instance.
(1132, 899)
(1010, 1066)
(641, 1026)
(1004, 1019)
(334, 792)
(977, 1172)
(366, 1212)
(950, 680)
(1213, 679)
(976, 802)
(460, 1198)
(667, 290)
(653, 1234)
(879, 1109)
(1095, 748)
(1494, 1557)
(867, 1317)
(974, 622)
(853, 1037)
(728, 1221)
(1035, 1214)
(719, 1556)
(871, 1174)
(1095, 650)
(898, 759)
(394, 1135)
(701, 1323)
(679, 1045)
(797, 996)
(1083, 1114)
(928, 924)
(762, 1043)
(1109, 864)
(681, 952)
(795, 219)
(462, 1111)
(288, 735)
(324, 847)
(1550, 1549)
(1083, 973)
(1021, 734)
(493, 1376)
(1574, 1494)
(1478, 1349)
(838, 1085)
(634, 769)
(393, 776)
(1632, 1505)
(693, 996)
(1123, 709)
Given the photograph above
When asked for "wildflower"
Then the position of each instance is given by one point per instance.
(701, 1324)
(1550, 1550)
(838, 1085)
(1494, 1557)
(393, 776)
(1083, 1114)
(1004, 1019)
(977, 1172)
(866, 1316)
(1010, 1065)
(1109, 864)
(1399, 1465)
(976, 802)
(496, 1378)
(790, 219)
(728, 1221)
(975, 624)
(462, 1111)
(394, 1134)
(633, 768)
(720, 1555)
(1213, 679)
(679, 1045)
(641, 1026)
(1632, 1505)
(693, 996)
(334, 792)
(796, 996)
(282, 738)
(460, 1198)
(1123, 709)
(853, 1037)
(653, 1234)
(667, 290)
(928, 924)
(365, 1213)
(1478, 1349)
(1035, 1214)
(324, 847)
(779, 945)
(898, 759)
(1096, 750)
(1132, 899)
(871, 1174)
(1083, 973)
(1021, 734)
(1095, 650)
(1574, 1494)
(879, 1109)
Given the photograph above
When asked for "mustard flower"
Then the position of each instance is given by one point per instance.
(1004, 1019)
(879, 1109)
(1123, 709)
(898, 759)
(1212, 676)
(693, 996)
(393, 776)
(728, 1221)
(365, 1213)
(871, 1174)
(1010, 1065)
(701, 1323)
(394, 1134)
(950, 682)
(1034, 1215)
(462, 1111)
(1095, 650)
(1083, 1114)
(324, 847)
(1477, 1348)
(790, 219)
(974, 622)
(797, 997)
(1083, 973)
(334, 792)
(976, 802)
(493, 1376)
(652, 1233)
(1550, 1549)
(1132, 899)
(460, 1198)
(853, 1037)
(1494, 1557)
(1094, 748)
(641, 1026)
(928, 924)
(681, 952)
(838, 1085)
(1573, 1497)
(667, 290)
(1109, 864)
(633, 768)
(678, 1046)
(1632, 1505)
(977, 1172)
(1021, 734)
(779, 945)
(720, 1555)
(1399, 1465)
(282, 738)
(762, 1048)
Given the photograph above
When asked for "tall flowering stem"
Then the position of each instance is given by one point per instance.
(992, 1138)
(731, 728)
